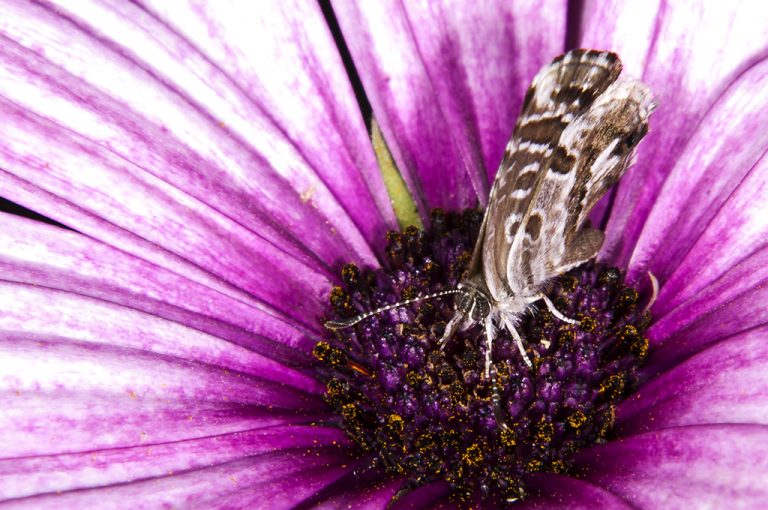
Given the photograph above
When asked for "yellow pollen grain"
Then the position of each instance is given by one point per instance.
(507, 438)
(628, 331)
(410, 292)
(545, 316)
(577, 419)
(340, 299)
(640, 347)
(545, 431)
(349, 412)
(350, 273)
(613, 386)
(473, 456)
(566, 336)
(321, 350)
(558, 466)
(306, 196)
(569, 283)
(534, 465)
(413, 378)
(587, 324)
(395, 423)
(609, 418)
(425, 443)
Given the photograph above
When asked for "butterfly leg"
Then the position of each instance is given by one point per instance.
(555, 311)
(450, 329)
(496, 399)
(489, 334)
(519, 342)
(490, 375)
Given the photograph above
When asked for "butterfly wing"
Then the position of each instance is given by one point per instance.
(514, 222)
(592, 153)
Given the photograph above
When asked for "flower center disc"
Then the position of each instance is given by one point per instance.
(429, 414)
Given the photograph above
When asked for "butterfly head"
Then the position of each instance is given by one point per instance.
(473, 303)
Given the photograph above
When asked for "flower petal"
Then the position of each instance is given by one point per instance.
(723, 155)
(119, 127)
(41, 311)
(26, 476)
(726, 383)
(69, 358)
(271, 480)
(556, 492)
(736, 235)
(320, 116)
(65, 394)
(351, 493)
(727, 307)
(688, 70)
(37, 254)
(446, 83)
(432, 495)
(715, 466)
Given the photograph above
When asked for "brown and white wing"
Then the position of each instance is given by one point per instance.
(560, 94)
(592, 153)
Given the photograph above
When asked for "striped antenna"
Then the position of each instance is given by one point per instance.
(354, 320)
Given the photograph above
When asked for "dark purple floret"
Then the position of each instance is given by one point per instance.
(429, 415)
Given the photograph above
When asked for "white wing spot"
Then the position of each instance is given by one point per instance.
(510, 227)
(540, 148)
(519, 194)
(544, 115)
(531, 167)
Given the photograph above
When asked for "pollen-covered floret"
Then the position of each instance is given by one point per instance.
(429, 414)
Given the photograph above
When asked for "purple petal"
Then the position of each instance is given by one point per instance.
(365, 496)
(37, 254)
(688, 70)
(716, 466)
(736, 235)
(43, 312)
(730, 305)
(433, 495)
(25, 476)
(723, 155)
(271, 480)
(446, 84)
(120, 127)
(556, 492)
(320, 116)
(726, 383)
(70, 394)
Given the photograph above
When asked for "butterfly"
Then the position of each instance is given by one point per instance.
(575, 137)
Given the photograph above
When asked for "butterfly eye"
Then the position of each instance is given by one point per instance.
(466, 301)
(482, 309)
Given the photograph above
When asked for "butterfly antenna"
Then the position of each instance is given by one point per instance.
(346, 323)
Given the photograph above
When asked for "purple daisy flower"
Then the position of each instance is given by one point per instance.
(215, 175)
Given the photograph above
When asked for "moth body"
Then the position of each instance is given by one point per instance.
(574, 139)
